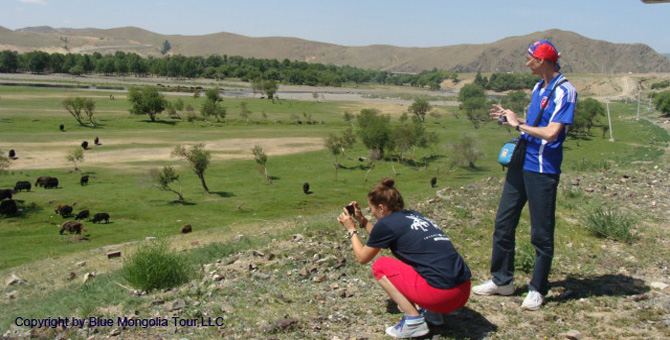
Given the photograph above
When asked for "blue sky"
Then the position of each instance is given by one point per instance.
(417, 23)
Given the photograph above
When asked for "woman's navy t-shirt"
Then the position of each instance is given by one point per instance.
(418, 242)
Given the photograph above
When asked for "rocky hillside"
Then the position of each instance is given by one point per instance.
(581, 54)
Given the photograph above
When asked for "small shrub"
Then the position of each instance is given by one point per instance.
(524, 258)
(154, 266)
(610, 223)
(587, 165)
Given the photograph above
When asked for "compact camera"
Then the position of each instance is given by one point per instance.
(502, 119)
(351, 210)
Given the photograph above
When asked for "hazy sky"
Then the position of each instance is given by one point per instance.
(416, 23)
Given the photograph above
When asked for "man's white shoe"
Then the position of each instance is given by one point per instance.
(490, 288)
(533, 301)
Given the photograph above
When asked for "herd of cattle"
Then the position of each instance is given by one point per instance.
(8, 206)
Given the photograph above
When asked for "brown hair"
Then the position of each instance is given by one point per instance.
(384, 193)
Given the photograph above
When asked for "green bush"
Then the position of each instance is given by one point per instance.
(524, 259)
(154, 266)
(587, 165)
(610, 223)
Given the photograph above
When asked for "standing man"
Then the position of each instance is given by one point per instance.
(536, 183)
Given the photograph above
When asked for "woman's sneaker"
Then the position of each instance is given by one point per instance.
(490, 288)
(409, 327)
(433, 318)
(533, 301)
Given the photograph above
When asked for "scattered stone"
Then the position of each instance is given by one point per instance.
(14, 280)
(80, 264)
(238, 237)
(257, 253)
(319, 278)
(298, 238)
(658, 285)
(573, 335)
(115, 332)
(71, 276)
(158, 302)
(88, 276)
(575, 182)
(12, 295)
(177, 305)
(270, 256)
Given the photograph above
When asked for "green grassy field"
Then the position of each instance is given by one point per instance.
(239, 192)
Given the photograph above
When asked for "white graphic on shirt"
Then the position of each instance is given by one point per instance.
(421, 223)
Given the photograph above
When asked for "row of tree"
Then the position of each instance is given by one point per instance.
(212, 67)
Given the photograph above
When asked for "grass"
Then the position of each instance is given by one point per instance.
(610, 223)
(153, 266)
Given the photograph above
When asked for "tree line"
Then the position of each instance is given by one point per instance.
(213, 67)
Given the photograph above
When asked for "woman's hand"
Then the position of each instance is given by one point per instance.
(346, 220)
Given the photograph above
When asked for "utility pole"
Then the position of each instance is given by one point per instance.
(609, 119)
(638, 105)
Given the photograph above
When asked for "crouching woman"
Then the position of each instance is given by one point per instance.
(428, 272)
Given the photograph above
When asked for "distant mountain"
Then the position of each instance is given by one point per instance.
(667, 55)
(580, 54)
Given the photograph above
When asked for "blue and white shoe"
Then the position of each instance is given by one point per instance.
(433, 318)
(409, 327)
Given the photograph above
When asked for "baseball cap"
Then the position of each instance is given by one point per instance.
(543, 49)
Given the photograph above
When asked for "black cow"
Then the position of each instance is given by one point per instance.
(97, 141)
(305, 188)
(12, 154)
(433, 182)
(51, 182)
(63, 210)
(84, 145)
(6, 193)
(8, 208)
(82, 215)
(62, 127)
(99, 217)
(22, 185)
(83, 180)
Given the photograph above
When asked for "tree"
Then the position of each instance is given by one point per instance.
(75, 106)
(244, 110)
(337, 144)
(261, 159)
(212, 106)
(409, 135)
(166, 47)
(420, 107)
(662, 102)
(374, 129)
(516, 101)
(197, 158)
(588, 112)
(146, 101)
(479, 80)
(467, 151)
(163, 178)
(75, 155)
(473, 99)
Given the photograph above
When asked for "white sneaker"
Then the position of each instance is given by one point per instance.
(490, 288)
(409, 327)
(433, 318)
(533, 301)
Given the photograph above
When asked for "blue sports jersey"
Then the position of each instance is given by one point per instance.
(541, 156)
(418, 242)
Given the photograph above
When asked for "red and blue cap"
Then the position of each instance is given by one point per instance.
(543, 49)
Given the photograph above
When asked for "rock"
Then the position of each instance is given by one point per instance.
(575, 182)
(257, 253)
(12, 295)
(298, 238)
(658, 285)
(238, 237)
(303, 272)
(319, 278)
(71, 276)
(14, 280)
(88, 276)
(177, 305)
(573, 335)
(80, 264)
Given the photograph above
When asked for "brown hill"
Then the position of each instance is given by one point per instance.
(580, 54)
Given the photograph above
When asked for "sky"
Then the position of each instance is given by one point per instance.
(416, 23)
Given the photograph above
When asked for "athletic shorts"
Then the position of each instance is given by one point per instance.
(415, 288)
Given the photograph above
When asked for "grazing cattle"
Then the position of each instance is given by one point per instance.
(99, 217)
(305, 188)
(433, 182)
(62, 127)
(41, 181)
(96, 141)
(84, 145)
(63, 210)
(22, 185)
(8, 208)
(12, 154)
(185, 229)
(52, 182)
(72, 227)
(83, 180)
(6, 193)
(82, 215)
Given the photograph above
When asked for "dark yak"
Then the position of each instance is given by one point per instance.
(72, 227)
(82, 215)
(83, 180)
(8, 208)
(63, 210)
(99, 217)
(6, 193)
(22, 185)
